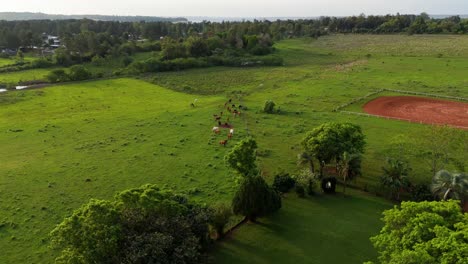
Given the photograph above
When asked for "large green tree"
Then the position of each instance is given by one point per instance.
(254, 198)
(395, 177)
(423, 232)
(141, 225)
(242, 157)
(329, 141)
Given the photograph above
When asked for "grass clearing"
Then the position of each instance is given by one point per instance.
(124, 133)
(320, 229)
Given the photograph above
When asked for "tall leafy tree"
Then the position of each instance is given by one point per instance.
(349, 166)
(242, 157)
(329, 141)
(254, 198)
(141, 225)
(395, 177)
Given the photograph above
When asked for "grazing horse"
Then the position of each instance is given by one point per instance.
(223, 142)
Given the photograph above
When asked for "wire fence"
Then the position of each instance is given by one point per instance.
(355, 100)
(396, 118)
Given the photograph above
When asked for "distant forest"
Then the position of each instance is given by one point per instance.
(15, 16)
(14, 34)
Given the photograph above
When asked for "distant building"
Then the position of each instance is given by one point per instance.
(9, 52)
(51, 41)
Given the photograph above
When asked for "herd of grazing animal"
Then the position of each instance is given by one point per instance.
(218, 118)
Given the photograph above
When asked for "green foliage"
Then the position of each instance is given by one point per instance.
(90, 235)
(79, 73)
(142, 225)
(62, 57)
(255, 198)
(421, 192)
(283, 182)
(307, 180)
(172, 49)
(242, 157)
(220, 215)
(329, 141)
(395, 177)
(424, 232)
(269, 107)
(57, 75)
(197, 47)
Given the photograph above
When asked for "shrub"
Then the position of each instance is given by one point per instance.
(220, 215)
(269, 107)
(421, 192)
(79, 73)
(255, 198)
(58, 75)
(283, 182)
(307, 180)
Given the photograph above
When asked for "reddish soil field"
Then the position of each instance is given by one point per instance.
(420, 109)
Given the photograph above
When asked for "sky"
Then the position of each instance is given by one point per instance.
(237, 8)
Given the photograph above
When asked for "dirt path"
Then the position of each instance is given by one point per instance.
(420, 109)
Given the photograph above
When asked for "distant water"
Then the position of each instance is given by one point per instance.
(3, 90)
(21, 87)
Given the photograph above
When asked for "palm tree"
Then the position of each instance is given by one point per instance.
(450, 185)
(346, 166)
(306, 159)
(395, 176)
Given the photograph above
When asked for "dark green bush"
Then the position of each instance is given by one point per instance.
(269, 107)
(79, 73)
(283, 182)
(300, 191)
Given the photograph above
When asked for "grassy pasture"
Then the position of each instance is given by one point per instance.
(118, 134)
(124, 133)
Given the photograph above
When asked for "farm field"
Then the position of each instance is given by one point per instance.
(62, 145)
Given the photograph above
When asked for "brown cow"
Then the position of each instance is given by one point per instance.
(223, 142)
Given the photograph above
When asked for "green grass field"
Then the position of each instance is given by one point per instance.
(320, 229)
(123, 133)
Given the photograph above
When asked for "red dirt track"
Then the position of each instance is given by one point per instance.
(420, 109)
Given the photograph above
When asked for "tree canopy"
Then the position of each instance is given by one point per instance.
(242, 157)
(142, 225)
(254, 198)
(423, 232)
(329, 141)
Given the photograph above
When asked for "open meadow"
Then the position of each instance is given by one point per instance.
(65, 144)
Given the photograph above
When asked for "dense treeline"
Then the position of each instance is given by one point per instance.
(15, 16)
(14, 34)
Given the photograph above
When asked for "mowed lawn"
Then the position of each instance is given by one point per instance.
(319, 229)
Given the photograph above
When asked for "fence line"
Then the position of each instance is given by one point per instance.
(428, 94)
(396, 118)
(355, 100)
